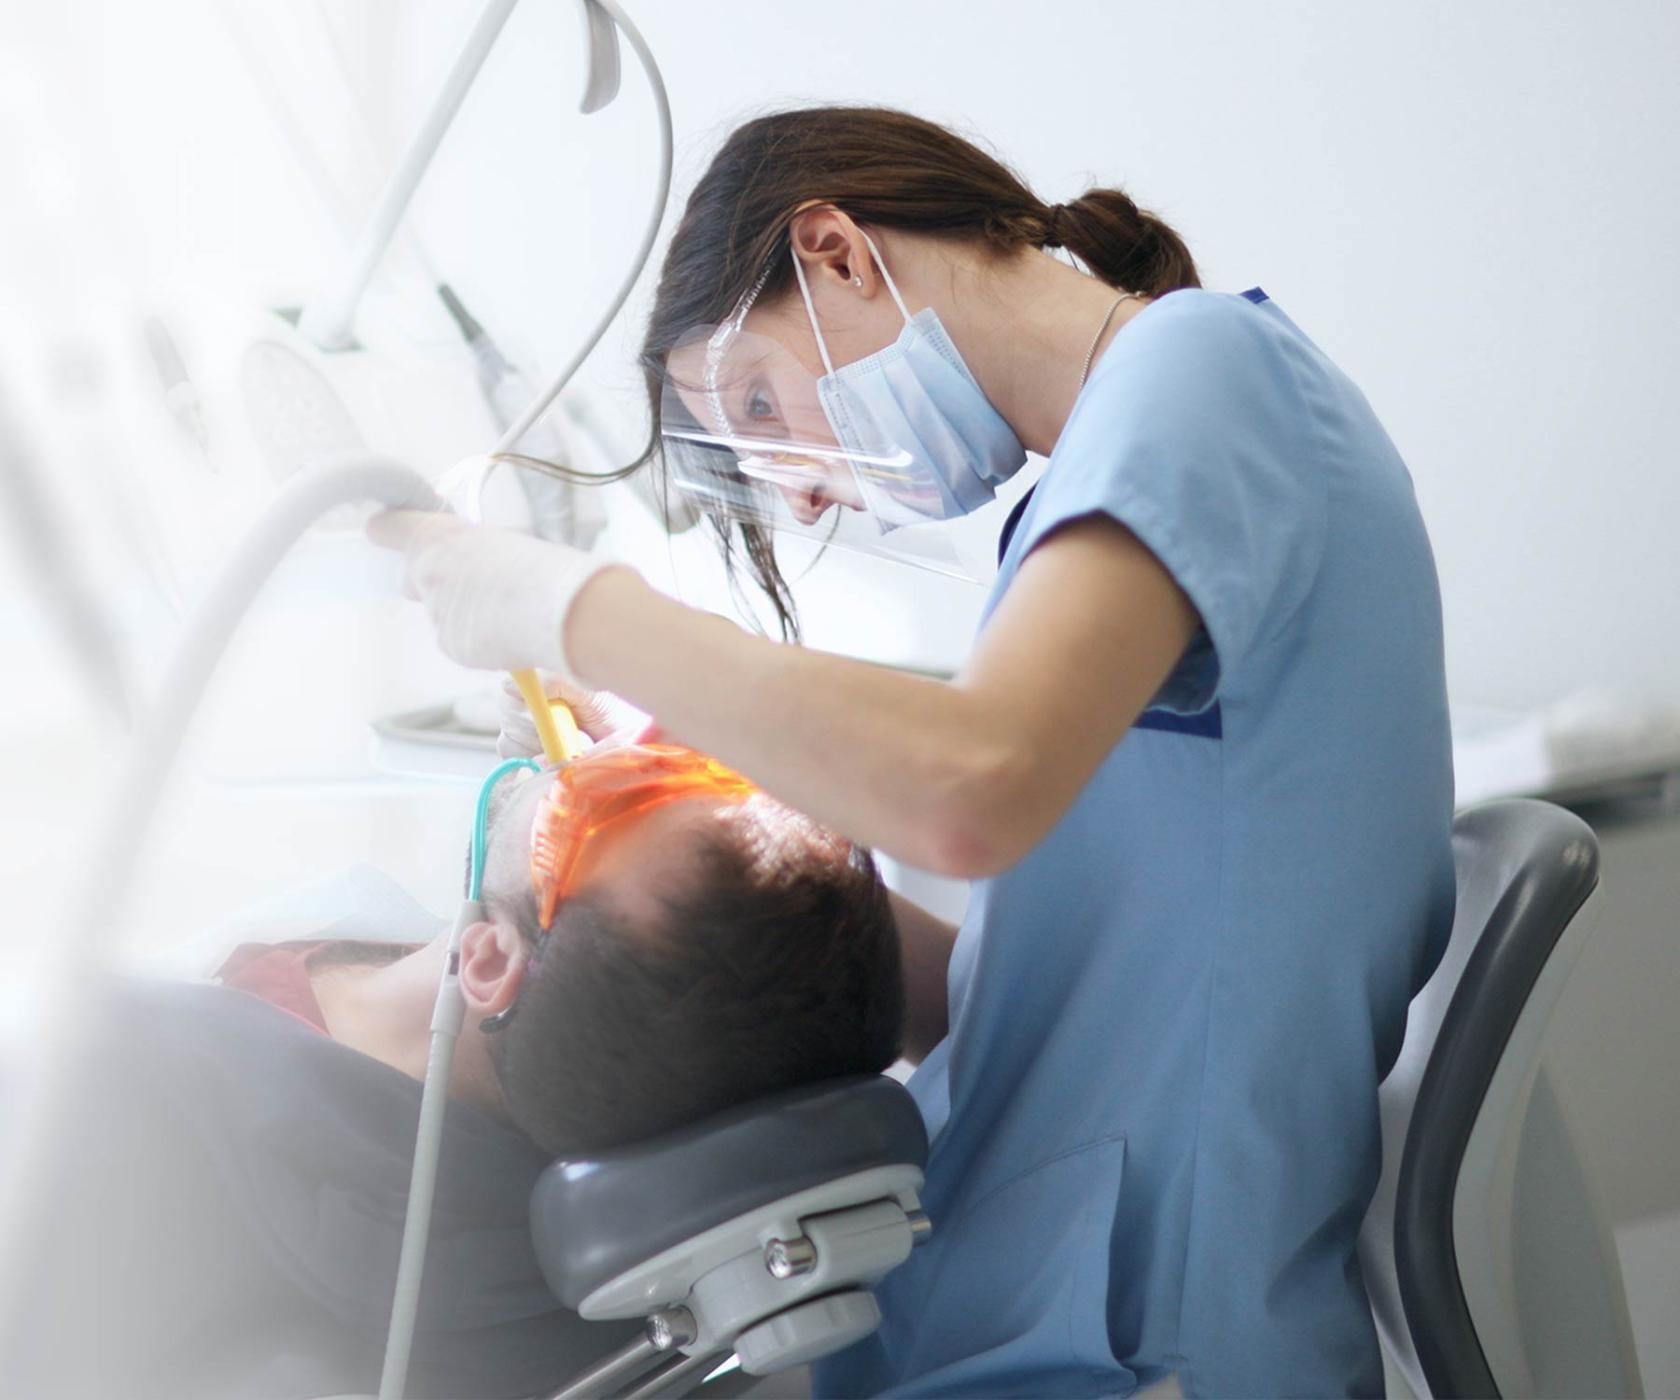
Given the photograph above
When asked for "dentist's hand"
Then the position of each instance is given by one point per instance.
(497, 599)
(599, 715)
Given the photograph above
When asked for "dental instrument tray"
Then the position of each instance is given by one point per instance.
(444, 739)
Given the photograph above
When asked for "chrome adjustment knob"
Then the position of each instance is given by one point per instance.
(790, 1258)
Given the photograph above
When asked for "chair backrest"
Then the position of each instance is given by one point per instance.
(1484, 1236)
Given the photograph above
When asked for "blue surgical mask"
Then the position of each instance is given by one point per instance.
(919, 396)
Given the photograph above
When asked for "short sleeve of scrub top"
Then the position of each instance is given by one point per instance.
(1209, 473)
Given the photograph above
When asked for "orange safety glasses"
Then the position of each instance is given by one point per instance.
(605, 788)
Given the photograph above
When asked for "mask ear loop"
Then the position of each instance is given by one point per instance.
(886, 276)
(810, 310)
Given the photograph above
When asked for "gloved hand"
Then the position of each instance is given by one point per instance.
(497, 599)
(599, 715)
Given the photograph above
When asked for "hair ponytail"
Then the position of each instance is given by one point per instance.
(1125, 246)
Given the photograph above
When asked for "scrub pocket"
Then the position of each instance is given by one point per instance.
(1022, 1282)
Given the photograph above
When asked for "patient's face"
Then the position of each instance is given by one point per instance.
(634, 865)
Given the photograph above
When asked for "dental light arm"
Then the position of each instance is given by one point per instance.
(662, 106)
(327, 321)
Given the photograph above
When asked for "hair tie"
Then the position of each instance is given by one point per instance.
(1055, 217)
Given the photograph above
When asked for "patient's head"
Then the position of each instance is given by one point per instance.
(708, 952)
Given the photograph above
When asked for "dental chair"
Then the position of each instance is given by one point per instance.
(1488, 1263)
(758, 1233)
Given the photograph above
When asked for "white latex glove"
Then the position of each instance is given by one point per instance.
(602, 717)
(497, 599)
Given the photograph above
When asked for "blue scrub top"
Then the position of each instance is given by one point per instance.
(1154, 1120)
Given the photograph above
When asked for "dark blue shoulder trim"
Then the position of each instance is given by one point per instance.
(1012, 522)
(1206, 725)
(1255, 295)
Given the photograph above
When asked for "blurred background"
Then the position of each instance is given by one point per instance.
(1463, 205)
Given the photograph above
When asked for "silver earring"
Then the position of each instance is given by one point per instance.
(857, 281)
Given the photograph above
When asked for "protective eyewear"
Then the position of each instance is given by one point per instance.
(747, 439)
(607, 789)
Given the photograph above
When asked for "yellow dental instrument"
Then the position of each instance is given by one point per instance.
(557, 731)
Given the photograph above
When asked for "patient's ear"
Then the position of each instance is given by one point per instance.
(492, 964)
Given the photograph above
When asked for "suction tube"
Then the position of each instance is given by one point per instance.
(448, 1013)
(80, 949)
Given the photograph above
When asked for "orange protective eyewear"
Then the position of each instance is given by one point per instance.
(605, 788)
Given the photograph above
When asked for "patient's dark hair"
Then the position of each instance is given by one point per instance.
(776, 964)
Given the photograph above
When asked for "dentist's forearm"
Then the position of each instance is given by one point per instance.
(913, 767)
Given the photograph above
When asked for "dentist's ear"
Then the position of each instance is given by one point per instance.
(832, 247)
(493, 959)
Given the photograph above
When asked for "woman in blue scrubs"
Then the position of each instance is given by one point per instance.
(1197, 765)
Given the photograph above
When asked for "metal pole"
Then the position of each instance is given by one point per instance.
(673, 1380)
(665, 1333)
(605, 1375)
(326, 321)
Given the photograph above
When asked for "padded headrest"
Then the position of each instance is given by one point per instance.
(593, 1219)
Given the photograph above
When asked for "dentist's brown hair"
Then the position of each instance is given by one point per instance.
(885, 169)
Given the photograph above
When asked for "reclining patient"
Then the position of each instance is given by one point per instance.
(231, 1207)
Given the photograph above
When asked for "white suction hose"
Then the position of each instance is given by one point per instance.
(448, 1012)
(40, 1088)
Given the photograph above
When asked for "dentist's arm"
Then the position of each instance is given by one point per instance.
(961, 777)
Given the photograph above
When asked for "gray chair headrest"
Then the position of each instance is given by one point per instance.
(592, 1219)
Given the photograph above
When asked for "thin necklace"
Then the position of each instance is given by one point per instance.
(1085, 373)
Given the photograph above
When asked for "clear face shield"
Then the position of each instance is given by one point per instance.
(751, 436)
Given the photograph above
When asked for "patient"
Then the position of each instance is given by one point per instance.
(232, 1197)
(709, 953)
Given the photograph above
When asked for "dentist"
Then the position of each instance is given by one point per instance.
(1197, 764)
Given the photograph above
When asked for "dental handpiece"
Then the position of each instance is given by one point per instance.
(557, 730)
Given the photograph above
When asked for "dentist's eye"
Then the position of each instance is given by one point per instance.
(759, 406)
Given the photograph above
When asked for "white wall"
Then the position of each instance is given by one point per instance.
(1472, 207)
